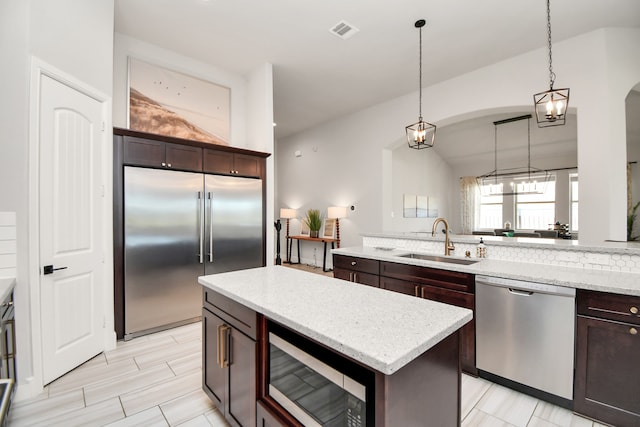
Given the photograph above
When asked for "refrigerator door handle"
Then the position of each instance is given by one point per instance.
(210, 196)
(201, 220)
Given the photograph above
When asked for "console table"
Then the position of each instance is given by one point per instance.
(324, 240)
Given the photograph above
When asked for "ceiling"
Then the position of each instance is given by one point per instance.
(319, 76)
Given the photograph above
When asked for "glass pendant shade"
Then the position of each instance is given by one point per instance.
(421, 134)
(551, 107)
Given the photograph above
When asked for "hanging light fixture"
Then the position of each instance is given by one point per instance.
(551, 106)
(513, 181)
(420, 134)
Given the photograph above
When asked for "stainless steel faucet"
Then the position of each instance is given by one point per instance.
(448, 245)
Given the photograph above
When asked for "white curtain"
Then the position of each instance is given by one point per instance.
(469, 203)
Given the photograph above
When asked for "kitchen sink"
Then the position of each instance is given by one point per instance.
(440, 258)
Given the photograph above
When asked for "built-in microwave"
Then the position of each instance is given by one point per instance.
(316, 386)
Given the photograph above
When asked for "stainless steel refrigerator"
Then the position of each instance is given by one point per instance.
(178, 226)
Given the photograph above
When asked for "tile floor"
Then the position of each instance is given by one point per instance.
(155, 380)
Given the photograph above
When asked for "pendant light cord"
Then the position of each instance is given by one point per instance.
(420, 78)
(552, 75)
(529, 146)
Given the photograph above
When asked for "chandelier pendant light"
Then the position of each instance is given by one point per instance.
(551, 105)
(513, 181)
(420, 134)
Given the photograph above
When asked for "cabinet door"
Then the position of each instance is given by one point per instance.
(246, 165)
(468, 331)
(217, 161)
(183, 157)
(213, 376)
(607, 383)
(341, 273)
(143, 152)
(401, 286)
(366, 279)
(242, 379)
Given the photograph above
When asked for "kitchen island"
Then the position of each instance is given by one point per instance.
(409, 346)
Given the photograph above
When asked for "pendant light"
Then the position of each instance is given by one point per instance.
(420, 134)
(551, 106)
(513, 181)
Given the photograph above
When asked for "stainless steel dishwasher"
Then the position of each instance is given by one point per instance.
(525, 333)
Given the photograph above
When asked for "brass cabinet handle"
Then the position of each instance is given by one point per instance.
(415, 290)
(219, 346)
(422, 292)
(634, 310)
(223, 336)
(351, 276)
(633, 331)
(355, 277)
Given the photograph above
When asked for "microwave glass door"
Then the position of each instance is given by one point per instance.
(313, 392)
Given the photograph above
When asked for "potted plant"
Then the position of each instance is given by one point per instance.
(313, 220)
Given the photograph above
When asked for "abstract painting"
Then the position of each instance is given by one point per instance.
(166, 102)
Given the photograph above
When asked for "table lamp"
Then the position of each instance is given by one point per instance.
(337, 212)
(288, 214)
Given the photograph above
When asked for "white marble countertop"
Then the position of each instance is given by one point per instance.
(6, 286)
(579, 278)
(381, 329)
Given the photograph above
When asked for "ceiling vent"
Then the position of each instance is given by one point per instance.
(344, 30)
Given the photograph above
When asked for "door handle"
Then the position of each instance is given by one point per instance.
(210, 195)
(48, 269)
(201, 220)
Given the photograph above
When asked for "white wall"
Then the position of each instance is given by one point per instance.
(601, 65)
(422, 173)
(76, 38)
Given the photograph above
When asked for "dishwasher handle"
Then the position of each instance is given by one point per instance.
(520, 292)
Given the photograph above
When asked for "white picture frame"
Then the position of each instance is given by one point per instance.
(304, 229)
(329, 228)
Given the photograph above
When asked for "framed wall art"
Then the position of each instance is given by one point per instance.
(170, 103)
(329, 229)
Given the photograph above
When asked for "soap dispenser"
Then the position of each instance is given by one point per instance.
(481, 249)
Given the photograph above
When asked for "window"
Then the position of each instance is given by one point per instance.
(536, 211)
(573, 179)
(490, 211)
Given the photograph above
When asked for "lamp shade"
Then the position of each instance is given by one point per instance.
(337, 212)
(288, 213)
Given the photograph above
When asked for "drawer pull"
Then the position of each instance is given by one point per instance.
(634, 310)
(415, 289)
(353, 263)
(633, 331)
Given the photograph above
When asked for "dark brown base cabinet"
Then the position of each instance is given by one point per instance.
(449, 287)
(229, 359)
(607, 381)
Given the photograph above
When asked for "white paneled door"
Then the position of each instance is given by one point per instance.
(71, 221)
